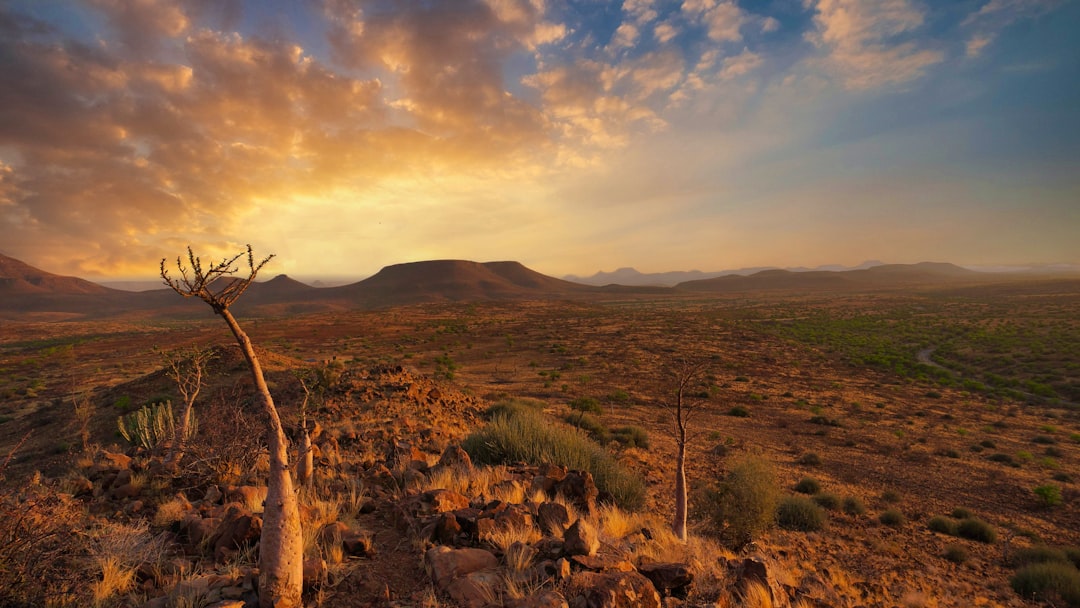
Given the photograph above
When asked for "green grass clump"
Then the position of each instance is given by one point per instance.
(943, 525)
(513, 406)
(591, 425)
(1037, 554)
(956, 554)
(1048, 495)
(744, 504)
(526, 435)
(826, 500)
(739, 411)
(808, 485)
(892, 518)
(976, 529)
(853, 506)
(961, 513)
(799, 513)
(1047, 580)
(631, 436)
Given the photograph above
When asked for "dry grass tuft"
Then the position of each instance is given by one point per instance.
(116, 578)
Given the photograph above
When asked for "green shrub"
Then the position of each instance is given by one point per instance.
(799, 513)
(744, 503)
(586, 405)
(810, 459)
(956, 554)
(1037, 554)
(943, 525)
(1044, 581)
(632, 436)
(808, 485)
(513, 406)
(892, 518)
(827, 500)
(591, 425)
(1073, 553)
(853, 506)
(739, 412)
(1048, 495)
(976, 529)
(961, 513)
(526, 435)
(1043, 440)
(890, 497)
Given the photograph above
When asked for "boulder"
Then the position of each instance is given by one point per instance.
(475, 589)
(579, 488)
(544, 599)
(612, 590)
(670, 579)
(580, 539)
(445, 564)
(553, 518)
(239, 528)
(453, 457)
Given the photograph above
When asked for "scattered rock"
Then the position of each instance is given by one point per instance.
(670, 579)
(444, 564)
(612, 590)
(544, 599)
(580, 539)
(553, 518)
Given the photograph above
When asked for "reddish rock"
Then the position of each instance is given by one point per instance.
(670, 579)
(602, 563)
(446, 529)
(314, 572)
(239, 528)
(544, 599)
(553, 518)
(453, 457)
(580, 539)
(444, 564)
(475, 590)
(612, 590)
(579, 488)
(124, 492)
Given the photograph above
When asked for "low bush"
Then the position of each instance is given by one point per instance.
(956, 554)
(528, 436)
(1047, 580)
(976, 529)
(826, 500)
(809, 459)
(799, 513)
(1037, 554)
(739, 412)
(512, 406)
(961, 513)
(744, 504)
(808, 485)
(591, 425)
(853, 506)
(892, 518)
(943, 525)
(1048, 495)
(632, 436)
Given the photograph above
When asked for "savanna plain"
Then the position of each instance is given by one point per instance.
(911, 448)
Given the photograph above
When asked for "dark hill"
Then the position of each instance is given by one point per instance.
(454, 280)
(884, 277)
(20, 278)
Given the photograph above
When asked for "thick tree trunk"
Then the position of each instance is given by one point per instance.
(281, 547)
(678, 526)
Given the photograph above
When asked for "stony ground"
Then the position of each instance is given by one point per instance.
(420, 377)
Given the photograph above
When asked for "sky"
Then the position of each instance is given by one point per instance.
(570, 135)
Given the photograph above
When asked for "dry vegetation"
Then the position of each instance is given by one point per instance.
(932, 440)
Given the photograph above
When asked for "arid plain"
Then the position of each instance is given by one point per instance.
(902, 407)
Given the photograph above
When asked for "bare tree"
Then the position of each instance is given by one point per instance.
(281, 546)
(305, 466)
(682, 409)
(186, 367)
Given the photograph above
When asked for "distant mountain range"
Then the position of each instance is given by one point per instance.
(25, 290)
(631, 277)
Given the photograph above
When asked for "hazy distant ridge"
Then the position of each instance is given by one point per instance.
(631, 277)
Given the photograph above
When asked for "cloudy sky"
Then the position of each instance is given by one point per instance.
(571, 135)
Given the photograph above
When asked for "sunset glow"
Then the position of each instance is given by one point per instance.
(570, 136)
